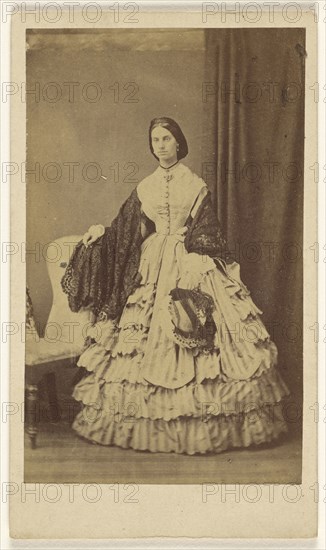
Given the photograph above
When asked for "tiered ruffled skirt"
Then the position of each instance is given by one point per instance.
(144, 391)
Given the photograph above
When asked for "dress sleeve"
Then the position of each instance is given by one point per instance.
(204, 235)
(202, 193)
(146, 224)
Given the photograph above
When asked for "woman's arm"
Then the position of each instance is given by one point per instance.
(202, 193)
(103, 275)
(147, 227)
(205, 235)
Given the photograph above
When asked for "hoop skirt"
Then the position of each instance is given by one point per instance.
(143, 390)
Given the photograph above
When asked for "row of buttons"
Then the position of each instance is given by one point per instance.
(167, 205)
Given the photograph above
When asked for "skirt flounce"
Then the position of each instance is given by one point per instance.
(183, 435)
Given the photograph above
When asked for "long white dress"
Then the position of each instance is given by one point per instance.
(145, 391)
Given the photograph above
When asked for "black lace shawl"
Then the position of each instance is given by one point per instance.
(103, 275)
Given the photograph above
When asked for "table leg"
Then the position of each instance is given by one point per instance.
(52, 396)
(32, 403)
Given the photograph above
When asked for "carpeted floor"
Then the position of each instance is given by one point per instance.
(63, 457)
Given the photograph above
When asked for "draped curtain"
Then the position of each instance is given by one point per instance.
(253, 149)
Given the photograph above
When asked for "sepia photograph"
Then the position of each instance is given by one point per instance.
(164, 173)
(164, 255)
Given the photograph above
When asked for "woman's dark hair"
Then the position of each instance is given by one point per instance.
(175, 130)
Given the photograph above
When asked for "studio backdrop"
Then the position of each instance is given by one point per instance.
(254, 97)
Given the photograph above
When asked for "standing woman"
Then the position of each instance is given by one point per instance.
(178, 359)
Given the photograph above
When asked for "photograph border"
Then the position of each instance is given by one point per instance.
(163, 506)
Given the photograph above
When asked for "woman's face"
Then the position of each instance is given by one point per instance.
(164, 145)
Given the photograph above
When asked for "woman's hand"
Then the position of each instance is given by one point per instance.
(93, 233)
(182, 233)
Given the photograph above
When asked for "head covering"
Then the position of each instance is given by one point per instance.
(175, 130)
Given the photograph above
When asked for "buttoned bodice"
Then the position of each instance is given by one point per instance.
(167, 197)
